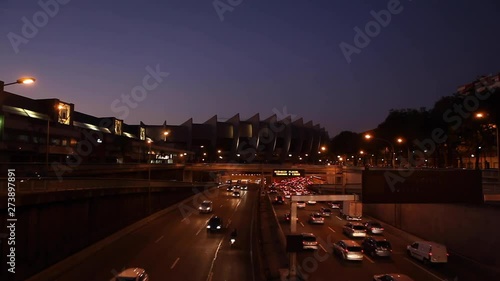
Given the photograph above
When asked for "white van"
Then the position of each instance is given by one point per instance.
(428, 252)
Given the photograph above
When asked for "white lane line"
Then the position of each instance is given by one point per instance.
(221, 205)
(175, 262)
(301, 224)
(204, 227)
(184, 219)
(424, 269)
(228, 221)
(338, 218)
(368, 258)
(331, 229)
(209, 278)
(157, 240)
(323, 248)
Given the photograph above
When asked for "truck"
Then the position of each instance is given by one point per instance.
(352, 210)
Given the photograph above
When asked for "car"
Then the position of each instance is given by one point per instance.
(311, 202)
(279, 200)
(374, 227)
(205, 206)
(229, 188)
(301, 204)
(334, 205)
(348, 250)
(377, 246)
(354, 229)
(428, 252)
(326, 212)
(236, 194)
(316, 218)
(288, 196)
(132, 274)
(391, 277)
(244, 187)
(309, 241)
(287, 217)
(236, 187)
(214, 224)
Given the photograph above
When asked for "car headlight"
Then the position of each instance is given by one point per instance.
(200, 208)
(218, 227)
(208, 226)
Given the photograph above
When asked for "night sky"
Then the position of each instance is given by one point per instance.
(268, 57)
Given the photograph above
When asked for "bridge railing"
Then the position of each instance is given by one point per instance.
(43, 185)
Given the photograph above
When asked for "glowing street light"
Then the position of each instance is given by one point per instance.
(369, 136)
(323, 148)
(24, 80)
(166, 134)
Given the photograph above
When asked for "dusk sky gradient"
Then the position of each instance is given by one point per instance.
(265, 57)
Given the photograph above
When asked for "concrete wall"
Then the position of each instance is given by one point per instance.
(471, 231)
(53, 225)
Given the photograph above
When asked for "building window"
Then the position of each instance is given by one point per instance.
(142, 133)
(118, 127)
(64, 113)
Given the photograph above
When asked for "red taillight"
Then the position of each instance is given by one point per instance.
(430, 254)
(447, 254)
(381, 228)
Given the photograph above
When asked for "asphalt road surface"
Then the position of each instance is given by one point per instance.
(177, 246)
(323, 265)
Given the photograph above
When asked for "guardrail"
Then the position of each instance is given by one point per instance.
(42, 185)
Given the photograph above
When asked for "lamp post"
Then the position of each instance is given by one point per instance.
(24, 80)
(165, 134)
(368, 137)
(401, 140)
(149, 176)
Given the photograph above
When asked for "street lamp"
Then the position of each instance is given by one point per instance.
(166, 134)
(24, 80)
(481, 115)
(368, 137)
(149, 176)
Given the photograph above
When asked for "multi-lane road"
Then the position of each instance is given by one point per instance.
(323, 265)
(176, 246)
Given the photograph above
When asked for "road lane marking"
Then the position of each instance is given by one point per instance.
(331, 229)
(368, 258)
(221, 205)
(175, 262)
(301, 224)
(184, 219)
(213, 261)
(228, 221)
(159, 239)
(424, 269)
(338, 218)
(321, 246)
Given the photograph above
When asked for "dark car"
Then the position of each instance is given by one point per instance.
(214, 224)
(229, 188)
(279, 200)
(377, 246)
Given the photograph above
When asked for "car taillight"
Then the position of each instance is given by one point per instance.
(447, 254)
(430, 254)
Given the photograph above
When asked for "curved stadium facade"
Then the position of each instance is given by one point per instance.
(49, 130)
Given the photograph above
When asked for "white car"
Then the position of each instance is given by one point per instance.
(309, 241)
(391, 277)
(311, 202)
(205, 206)
(301, 204)
(132, 274)
(348, 250)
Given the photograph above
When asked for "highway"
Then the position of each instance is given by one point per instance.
(176, 246)
(323, 265)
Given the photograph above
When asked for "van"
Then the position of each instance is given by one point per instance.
(428, 252)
